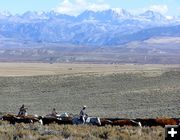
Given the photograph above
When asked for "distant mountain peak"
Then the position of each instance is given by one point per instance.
(5, 13)
(31, 15)
(122, 12)
(105, 15)
(149, 14)
(116, 12)
(108, 27)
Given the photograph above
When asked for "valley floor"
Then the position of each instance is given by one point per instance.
(126, 91)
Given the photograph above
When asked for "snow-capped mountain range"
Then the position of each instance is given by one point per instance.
(102, 28)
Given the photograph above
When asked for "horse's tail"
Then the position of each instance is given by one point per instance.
(99, 121)
(137, 123)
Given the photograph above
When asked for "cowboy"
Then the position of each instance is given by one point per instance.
(23, 111)
(83, 114)
(54, 113)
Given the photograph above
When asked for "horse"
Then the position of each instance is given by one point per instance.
(89, 121)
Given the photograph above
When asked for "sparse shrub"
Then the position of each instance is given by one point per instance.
(66, 132)
(81, 132)
(104, 135)
(50, 137)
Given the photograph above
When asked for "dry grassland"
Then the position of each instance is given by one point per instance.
(126, 91)
(34, 69)
(69, 132)
(108, 90)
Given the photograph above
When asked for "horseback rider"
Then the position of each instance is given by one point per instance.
(83, 114)
(54, 113)
(23, 111)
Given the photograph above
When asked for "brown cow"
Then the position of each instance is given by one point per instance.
(105, 121)
(158, 121)
(138, 122)
(167, 121)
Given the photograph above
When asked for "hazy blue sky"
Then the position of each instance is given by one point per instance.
(167, 7)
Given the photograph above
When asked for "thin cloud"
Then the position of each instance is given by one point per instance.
(78, 6)
(163, 9)
(178, 9)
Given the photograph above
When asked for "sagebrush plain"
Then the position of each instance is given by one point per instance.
(128, 91)
(123, 91)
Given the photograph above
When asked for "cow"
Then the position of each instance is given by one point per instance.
(63, 118)
(12, 119)
(59, 120)
(158, 121)
(120, 122)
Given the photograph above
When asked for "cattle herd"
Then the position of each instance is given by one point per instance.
(11, 118)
